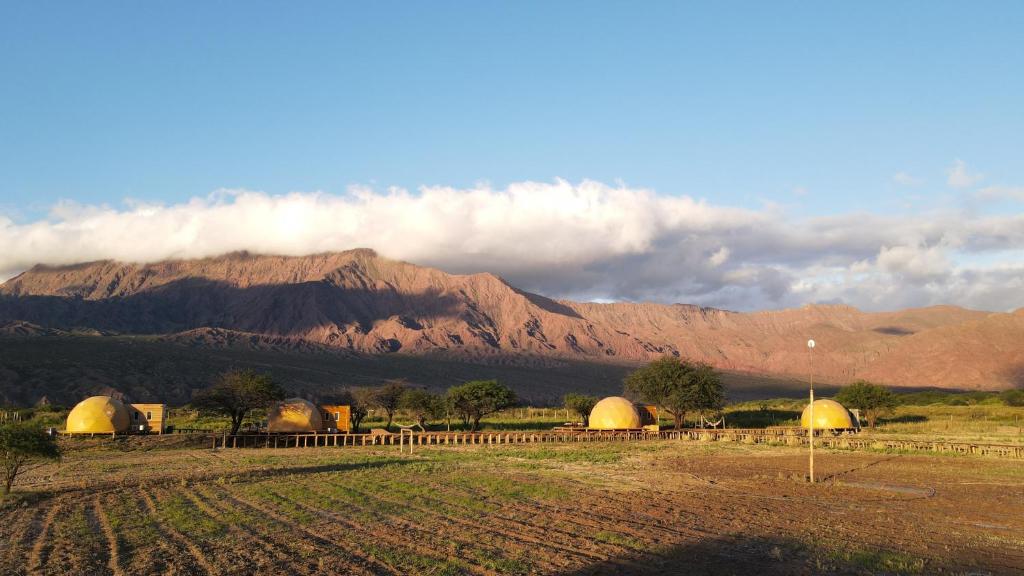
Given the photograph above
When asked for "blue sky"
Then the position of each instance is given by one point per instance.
(817, 109)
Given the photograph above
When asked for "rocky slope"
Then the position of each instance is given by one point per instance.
(357, 302)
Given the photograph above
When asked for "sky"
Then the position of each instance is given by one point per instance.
(745, 155)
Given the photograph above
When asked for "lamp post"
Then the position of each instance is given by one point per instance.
(810, 428)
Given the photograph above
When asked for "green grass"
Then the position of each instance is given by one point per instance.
(881, 561)
(412, 562)
(511, 566)
(617, 539)
(503, 488)
(180, 514)
(591, 454)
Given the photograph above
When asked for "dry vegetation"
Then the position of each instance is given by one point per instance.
(655, 507)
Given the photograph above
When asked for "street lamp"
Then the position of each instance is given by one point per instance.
(810, 428)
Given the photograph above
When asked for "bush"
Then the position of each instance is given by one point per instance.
(581, 404)
(871, 399)
(24, 445)
(1012, 397)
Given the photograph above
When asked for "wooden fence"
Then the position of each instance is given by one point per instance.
(770, 436)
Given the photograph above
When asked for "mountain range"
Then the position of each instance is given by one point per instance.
(358, 304)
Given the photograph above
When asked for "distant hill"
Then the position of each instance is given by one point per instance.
(358, 305)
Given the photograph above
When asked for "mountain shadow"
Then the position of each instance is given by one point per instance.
(191, 303)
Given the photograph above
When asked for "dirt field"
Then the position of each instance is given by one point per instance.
(642, 508)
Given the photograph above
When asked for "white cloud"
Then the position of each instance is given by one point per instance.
(719, 257)
(958, 175)
(1001, 193)
(905, 179)
(585, 241)
(914, 262)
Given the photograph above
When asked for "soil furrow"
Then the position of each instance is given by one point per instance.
(386, 535)
(516, 533)
(18, 534)
(185, 545)
(42, 543)
(413, 528)
(113, 549)
(248, 536)
(363, 562)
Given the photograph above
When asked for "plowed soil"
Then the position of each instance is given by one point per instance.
(640, 508)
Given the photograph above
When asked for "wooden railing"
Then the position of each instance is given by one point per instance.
(769, 436)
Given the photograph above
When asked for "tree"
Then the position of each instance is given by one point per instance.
(236, 393)
(23, 446)
(677, 387)
(580, 404)
(478, 398)
(870, 399)
(708, 394)
(422, 404)
(388, 398)
(359, 406)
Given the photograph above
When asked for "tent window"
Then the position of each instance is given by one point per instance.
(136, 416)
(149, 415)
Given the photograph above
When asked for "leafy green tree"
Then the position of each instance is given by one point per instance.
(677, 387)
(581, 404)
(707, 392)
(23, 446)
(870, 399)
(388, 398)
(478, 398)
(422, 404)
(236, 393)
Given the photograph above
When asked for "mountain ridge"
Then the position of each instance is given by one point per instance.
(357, 302)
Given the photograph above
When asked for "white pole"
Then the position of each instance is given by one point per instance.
(810, 428)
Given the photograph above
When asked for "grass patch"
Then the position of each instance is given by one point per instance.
(415, 563)
(617, 539)
(592, 454)
(518, 565)
(269, 494)
(883, 561)
(503, 488)
(181, 515)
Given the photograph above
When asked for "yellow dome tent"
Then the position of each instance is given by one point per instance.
(294, 415)
(98, 415)
(614, 413)
(827, 414)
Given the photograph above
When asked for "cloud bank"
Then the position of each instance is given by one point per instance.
(582, 241)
